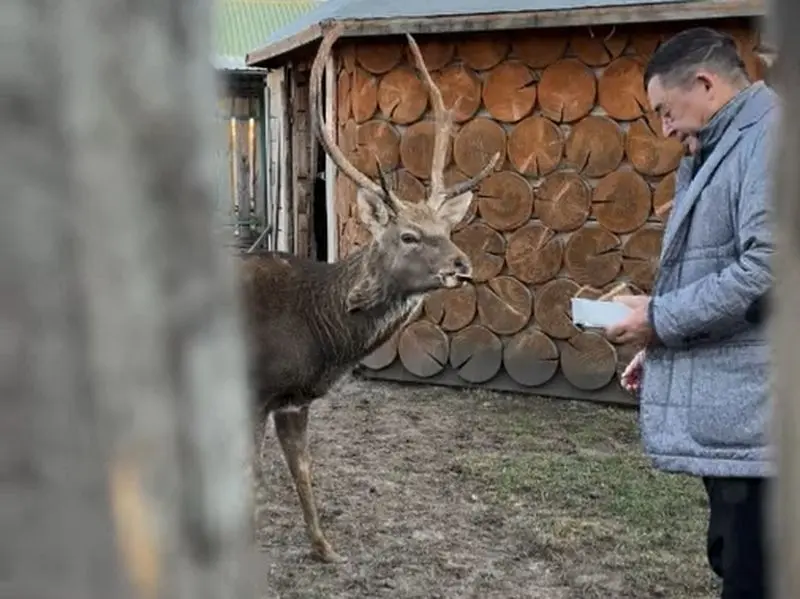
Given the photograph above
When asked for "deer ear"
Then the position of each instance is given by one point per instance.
(455, 209)
(373, 211)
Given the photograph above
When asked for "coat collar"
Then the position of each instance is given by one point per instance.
(760, 101)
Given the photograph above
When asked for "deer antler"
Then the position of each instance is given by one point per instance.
(324, 135)
(443, 123)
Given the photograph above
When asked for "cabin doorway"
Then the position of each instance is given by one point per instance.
(320, 208)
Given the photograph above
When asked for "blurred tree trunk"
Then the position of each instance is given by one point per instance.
(786, 515)
(125, 425)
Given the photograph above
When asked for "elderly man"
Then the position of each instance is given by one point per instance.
(703, 375)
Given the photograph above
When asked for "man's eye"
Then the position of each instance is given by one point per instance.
(409, 238)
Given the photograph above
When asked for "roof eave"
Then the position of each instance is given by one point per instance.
(268, 55)
(226, 63)
(264, 55)
(243, 71)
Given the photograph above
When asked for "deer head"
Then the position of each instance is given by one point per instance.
(411, 245)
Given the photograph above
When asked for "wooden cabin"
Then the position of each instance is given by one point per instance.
(577, 204)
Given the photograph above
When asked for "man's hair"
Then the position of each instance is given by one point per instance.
(678, 59)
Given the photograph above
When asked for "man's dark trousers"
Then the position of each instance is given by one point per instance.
(736, 536)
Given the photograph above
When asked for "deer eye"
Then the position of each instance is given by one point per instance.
(409, 238)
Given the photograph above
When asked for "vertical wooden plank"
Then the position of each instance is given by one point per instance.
(222, 149)
(241, 212)
(265, 197)
(272, 135)
(230, 209)
(260, 208)
(255, 155)
(301, 171)
(257, 176)
(252, 160)
(225, 165)
(279, 157)
(287, 164)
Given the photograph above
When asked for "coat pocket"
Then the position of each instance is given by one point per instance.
(729, 398)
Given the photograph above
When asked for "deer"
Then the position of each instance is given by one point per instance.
(307, 322)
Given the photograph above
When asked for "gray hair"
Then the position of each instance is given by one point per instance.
(678, 59)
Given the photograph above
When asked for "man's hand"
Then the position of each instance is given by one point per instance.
(631, 379)
(635, 328)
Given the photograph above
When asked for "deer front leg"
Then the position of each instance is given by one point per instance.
(291, 428)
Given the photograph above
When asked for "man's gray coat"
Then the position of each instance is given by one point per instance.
(705, 405)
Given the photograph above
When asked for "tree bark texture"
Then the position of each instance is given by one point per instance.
(125, 429)
(785, 301)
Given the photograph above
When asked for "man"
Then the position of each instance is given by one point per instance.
(704, 373)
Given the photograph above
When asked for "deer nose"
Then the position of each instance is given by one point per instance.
(461, 265)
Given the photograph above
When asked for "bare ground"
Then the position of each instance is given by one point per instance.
(433, 492)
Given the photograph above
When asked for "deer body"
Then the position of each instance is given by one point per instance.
(307, 323)
(301, 337)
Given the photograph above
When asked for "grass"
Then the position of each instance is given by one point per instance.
(593, 504)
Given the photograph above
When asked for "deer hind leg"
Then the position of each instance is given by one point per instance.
(259, 434)
(291, 428)
(256, 466)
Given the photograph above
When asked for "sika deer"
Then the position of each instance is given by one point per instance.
(308, 323)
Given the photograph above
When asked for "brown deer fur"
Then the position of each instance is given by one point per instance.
(307, 323)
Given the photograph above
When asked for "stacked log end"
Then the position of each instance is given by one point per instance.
(576, 204)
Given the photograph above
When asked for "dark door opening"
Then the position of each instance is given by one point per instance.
(320, 209)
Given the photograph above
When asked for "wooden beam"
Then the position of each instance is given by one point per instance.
(273, 54)
(263, 56)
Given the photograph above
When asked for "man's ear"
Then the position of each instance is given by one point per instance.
(373, 211)
(455, 209)
(704, 79)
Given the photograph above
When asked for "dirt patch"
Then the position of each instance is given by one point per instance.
(433, 492)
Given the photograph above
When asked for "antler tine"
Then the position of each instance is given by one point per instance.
(324, 135)
(472, 183)
(443, 123)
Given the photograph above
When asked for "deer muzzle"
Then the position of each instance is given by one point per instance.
(460, 273)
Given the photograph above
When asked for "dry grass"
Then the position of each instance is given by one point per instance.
(436, 492)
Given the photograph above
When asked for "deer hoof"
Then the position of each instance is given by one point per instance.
(327, 555)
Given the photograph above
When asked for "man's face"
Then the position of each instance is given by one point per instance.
(683, 109)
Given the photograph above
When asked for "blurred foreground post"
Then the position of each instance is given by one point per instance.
(786, 321)
(124, 434)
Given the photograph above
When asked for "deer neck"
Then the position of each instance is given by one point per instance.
(389, 308)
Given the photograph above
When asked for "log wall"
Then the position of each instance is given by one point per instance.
(573, 205)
